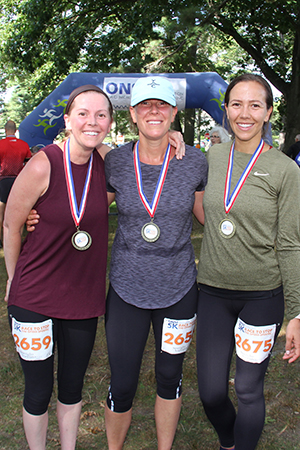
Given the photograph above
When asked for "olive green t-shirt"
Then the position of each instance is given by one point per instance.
(264, 251)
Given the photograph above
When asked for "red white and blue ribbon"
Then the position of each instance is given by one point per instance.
(230, 199)
(150, 207)
(77, 213)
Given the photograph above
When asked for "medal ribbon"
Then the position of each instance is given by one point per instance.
(77, 214)
(150, 207)
(229, 200)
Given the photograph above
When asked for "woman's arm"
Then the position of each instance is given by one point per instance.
(198, 207)
(103, 150)
(176, 140)
(110, 197)
(288, 252)
(30, 184)
(292, 345)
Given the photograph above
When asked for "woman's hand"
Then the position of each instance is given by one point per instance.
(32, 220)
(176, 140)
(292, 345)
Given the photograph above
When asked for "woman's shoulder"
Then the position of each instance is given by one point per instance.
(281, 160)
(194, 162)
(103, 150)
(50, 148)
(119, 153)
(195, 153)
(38, 167)
(217, 148)
(218, 152)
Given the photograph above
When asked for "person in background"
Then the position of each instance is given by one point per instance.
(56, 283)
(13, 154)
(294, 149)
(152, 272)
(218, 135)
(34, 149)
(249, 264)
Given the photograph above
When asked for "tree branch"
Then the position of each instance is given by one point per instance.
(228, 29)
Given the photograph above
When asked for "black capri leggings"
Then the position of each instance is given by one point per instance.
(218, 311)
(75, 341)
(127, 329)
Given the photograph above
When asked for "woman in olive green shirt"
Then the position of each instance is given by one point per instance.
(249, 264)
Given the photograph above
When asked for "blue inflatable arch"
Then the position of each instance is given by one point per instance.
(193, 90)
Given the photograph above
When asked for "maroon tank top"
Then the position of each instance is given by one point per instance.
(51, 276)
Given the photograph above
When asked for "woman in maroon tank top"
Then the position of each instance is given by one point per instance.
(61, 179)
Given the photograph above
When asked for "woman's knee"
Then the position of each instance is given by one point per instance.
(70, 393)
(213, 398)
(36, 400)
(169, 388)
(249, 392)
(212, 391)
(249, 380)
(120, 400)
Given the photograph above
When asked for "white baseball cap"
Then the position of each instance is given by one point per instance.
(159, 88)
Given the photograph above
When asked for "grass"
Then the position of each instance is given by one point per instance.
(282, 425)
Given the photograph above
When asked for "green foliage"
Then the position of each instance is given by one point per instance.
(60, 34)
(269, 32)
(43, 42)
(266, 30)
(18, 106)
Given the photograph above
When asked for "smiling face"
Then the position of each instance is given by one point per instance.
(247, 111)
(153, 118)
(88, 120)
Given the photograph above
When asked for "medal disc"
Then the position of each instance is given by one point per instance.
(227, 228)
(150, 232)
(81, 240)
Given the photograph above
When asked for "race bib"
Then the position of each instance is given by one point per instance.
(33, 341)
(252, 343)
(177, 335)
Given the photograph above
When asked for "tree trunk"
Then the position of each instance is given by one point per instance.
(292, 125)
(293, 98)
(189, 126)
(176, 124)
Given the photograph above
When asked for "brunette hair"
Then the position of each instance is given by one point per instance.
(87, 88)
(246, 77)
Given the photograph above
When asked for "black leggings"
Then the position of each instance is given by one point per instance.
(75, 341)
(127, 329)
(5, 187)
(218, 311)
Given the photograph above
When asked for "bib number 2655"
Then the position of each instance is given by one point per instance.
(177, 335)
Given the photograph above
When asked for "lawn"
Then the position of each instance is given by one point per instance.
(282, 426)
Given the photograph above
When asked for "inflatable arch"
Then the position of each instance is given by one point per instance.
(193, 90)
